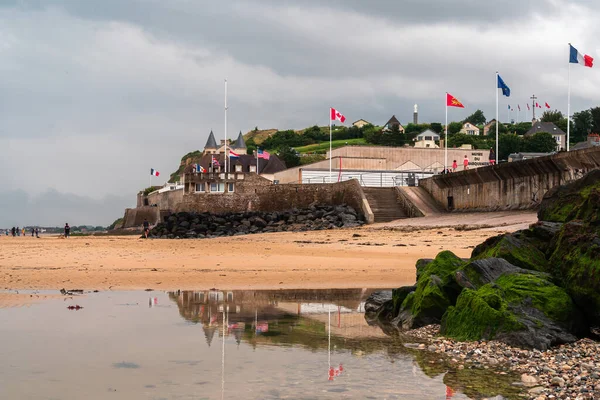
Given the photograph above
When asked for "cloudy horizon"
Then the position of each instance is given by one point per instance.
(96, 93)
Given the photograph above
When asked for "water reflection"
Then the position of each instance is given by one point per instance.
(216, 344)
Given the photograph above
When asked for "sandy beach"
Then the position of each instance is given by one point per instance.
(374, 256)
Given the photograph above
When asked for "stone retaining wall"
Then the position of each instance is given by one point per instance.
(509, 186)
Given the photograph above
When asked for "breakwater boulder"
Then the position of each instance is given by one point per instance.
(534, 288)
(187, 225)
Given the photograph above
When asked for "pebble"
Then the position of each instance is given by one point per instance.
(570, 371)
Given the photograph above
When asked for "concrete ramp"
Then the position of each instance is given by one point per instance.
(417, 202)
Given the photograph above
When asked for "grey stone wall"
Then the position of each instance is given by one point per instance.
(510, 186)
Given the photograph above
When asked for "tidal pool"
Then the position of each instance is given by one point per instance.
(218, 344)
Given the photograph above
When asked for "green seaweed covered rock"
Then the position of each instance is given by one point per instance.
(521, 309)
(436, 290)
(575, 263)
(578, 200)
(519, 248)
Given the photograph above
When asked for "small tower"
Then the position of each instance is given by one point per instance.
(416, 115)
(211, 144)
(240, 145)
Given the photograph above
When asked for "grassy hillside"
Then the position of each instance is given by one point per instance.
(259, 136)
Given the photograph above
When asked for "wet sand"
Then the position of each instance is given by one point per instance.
(381, 256)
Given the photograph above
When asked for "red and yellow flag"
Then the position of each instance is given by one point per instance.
(452, 101)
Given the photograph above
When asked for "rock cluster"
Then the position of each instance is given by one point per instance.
(535, 288)
(186, 225)
(570, 371)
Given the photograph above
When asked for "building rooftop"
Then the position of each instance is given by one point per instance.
(211, 143)
(549, 127)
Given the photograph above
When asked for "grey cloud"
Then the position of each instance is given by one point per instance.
(52, 208)
(97, 92)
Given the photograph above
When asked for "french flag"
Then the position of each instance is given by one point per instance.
(233, 155)
(154, 172)
(576, 57)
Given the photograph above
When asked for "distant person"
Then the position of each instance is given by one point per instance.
(13, 232)
(32, 232)
(37, 232)
(68, 229)
(492, 157)
(146, 228)
(23, 232)
(18, 231)
(466, 163)
(454, 166)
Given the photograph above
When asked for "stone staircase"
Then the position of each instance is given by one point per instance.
(384, 203)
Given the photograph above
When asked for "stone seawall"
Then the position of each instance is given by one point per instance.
(166, 200)
(134, 217)
(510, 186)
(279, 198)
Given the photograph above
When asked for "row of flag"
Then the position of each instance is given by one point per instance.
(575, 57)
(537, 105)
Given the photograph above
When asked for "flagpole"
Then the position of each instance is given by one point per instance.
(497, 118)
(446, 136)
(225, 133)
(568, 100)
(330, 146)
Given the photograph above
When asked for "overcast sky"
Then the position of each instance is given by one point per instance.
(95, 93)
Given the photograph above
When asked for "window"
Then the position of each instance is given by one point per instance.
(221, 187)
(428, 137)
(253, 168)
(557, 139)
(200, 187)
(230, 187)
(213, 187)
(238, 168)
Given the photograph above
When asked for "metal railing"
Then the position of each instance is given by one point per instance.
(372, 179)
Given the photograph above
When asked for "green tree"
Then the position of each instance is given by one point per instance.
(540, 142)
(582, 125)
(454, 127)
(476, 118)
(436, 127)
(508, 144)
(289, 156)
(551, 116)
(315, 133)
(250, 146)
(501, 129)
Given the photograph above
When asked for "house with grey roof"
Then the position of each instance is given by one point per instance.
(558, 134)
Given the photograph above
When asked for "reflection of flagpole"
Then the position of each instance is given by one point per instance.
(329, 341)
(223, 360)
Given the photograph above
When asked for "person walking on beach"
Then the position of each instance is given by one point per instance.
(68, 229)
(32, 232)
(146, 228)
(492, 157)
(37, 232)
(18, 232)
(466, 163)
(454, 166)
(13, 232)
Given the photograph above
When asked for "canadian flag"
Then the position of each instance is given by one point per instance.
(547, 105)
(336, 115)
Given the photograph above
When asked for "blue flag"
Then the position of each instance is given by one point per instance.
(502, 85)
(509, 106)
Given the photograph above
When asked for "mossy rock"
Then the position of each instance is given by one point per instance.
(576, 265)
(523, 310)
(436, 290)
(575, 200)
(516, 248)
